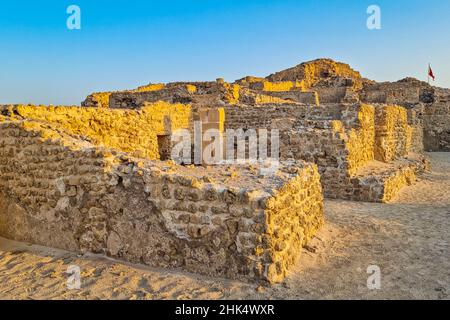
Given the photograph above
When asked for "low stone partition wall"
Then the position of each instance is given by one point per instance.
(381, 182)
(59, 191)
(133, 131)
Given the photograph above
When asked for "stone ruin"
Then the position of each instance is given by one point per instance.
(100, 178)
(91, 180)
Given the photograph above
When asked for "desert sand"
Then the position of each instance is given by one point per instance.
(408, 239)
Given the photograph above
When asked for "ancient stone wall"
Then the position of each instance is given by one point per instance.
(281, 86)
(58, 191)
(415, 122)
(311, 98)
(130, 131)
(393, 134)
(262, 116)
(201, 94)
(136, 100)
(314, 73)
(436, 123)
(343, 140)
(352, 125)
(381, 182)
(331, 94)
(405, 92)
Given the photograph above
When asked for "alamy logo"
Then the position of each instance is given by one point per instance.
(234, 146)
(374, 280)
(74, 280)
(74, 19)
(374, 20)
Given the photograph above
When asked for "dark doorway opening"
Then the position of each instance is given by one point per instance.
(164, 147)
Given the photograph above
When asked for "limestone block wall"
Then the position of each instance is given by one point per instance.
(339, 147)
(436, 124)
(262, 116)
(205, 94)
(59, 191)
(331, 94)
(311, 98)
(136, 100)
(393, 134)
(340, 139)
(391, 93)
(415, 122)
(345, 134)
(359, 135)
(381, 182)
(344, 140)
(250, 98)
(279, 86)
(125, 130)
(312, 73)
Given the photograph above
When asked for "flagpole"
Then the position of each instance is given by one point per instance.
(429, 68)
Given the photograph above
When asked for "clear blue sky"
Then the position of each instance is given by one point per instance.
(123, 44)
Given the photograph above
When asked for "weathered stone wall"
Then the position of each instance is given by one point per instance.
(317, 72)
(340, 132)
(136, 100)
(125, 130)
(331, 94)
(339, 147)
(339, 139)
(262, 116)
(59, 191)
(201, 94)
(281, 86)
(405, 92)
(343, 140)
(430, 124)
(382, 181)
(310, 98)
(436, 124)
(393, 134)
(415, 122)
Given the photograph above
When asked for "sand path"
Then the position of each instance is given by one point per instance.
(408, 239)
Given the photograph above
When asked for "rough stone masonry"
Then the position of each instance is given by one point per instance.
(60, 189)
(99, 178)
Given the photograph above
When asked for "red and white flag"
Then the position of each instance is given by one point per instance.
(430, 72)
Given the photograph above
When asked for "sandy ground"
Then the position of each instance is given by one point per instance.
(408, 239)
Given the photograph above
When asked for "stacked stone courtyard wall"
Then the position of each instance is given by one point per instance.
(60, 191)
(133, 131)
(393, 133)
(436, 124)
(343, 139)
